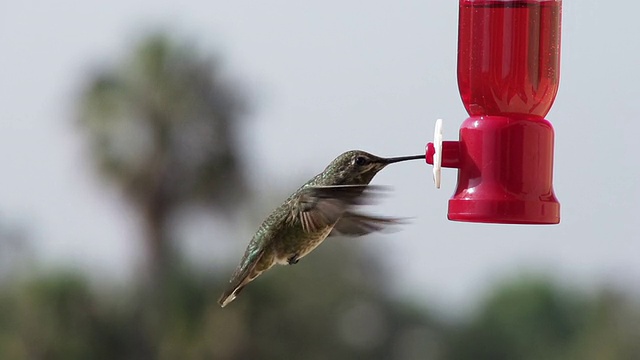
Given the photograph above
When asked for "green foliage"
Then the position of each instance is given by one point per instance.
(531, 318)
(58, 317)
(332, 306)
(329, 306)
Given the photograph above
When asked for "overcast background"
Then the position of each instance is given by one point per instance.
(325, 77)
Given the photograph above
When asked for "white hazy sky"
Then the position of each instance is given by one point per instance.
(328, 76)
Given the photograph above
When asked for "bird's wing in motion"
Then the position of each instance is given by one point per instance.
(321, 206)
(355, 224)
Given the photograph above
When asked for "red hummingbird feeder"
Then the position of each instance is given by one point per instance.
(508, 75)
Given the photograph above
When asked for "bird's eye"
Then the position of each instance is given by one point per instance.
(360, 160)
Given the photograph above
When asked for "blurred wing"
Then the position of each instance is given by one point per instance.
(354, 224)
(318, 207)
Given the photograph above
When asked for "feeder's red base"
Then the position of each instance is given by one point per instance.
(505, 171)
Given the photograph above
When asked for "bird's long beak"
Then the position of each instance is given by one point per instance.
(401, 158)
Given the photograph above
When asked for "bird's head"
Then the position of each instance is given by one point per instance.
(359, 167)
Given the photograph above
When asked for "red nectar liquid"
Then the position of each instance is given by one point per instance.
(509, 56)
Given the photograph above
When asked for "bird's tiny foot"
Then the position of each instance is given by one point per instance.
(293, 259)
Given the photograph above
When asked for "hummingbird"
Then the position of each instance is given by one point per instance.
(323, 206)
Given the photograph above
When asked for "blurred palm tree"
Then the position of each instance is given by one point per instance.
(163, 127)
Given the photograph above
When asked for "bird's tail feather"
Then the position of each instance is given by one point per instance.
(229, 295)
(239, 280)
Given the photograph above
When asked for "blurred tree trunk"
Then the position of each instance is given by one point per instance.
(158, 247)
